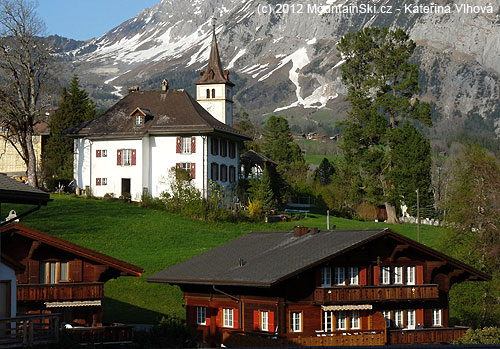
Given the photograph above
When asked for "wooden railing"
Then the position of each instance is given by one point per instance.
(340, 338)
(29, 330)
(101, 335)
(426, 335)
(351, 294)
(60, 292)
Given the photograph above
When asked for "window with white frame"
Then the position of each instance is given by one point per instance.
(104, 153)
(126, 157)
(201, 315)
(410, 275)
(387, 317)
(186, 166)
(295, 321)
(398, 318)
(339, 276)
(186, 145)
(328, 321)
(104, 181)
(341, 320)
(436, 317)
(410, 319)
(264, 320)
(398, 275)
(355, 320)
(228, 318)
(326, 277)
(353, 276)
(138, 120)
(386, 275)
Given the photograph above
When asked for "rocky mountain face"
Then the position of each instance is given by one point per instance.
(283, 58)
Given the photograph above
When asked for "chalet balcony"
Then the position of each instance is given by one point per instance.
(425, 335)
(60, 292)
(29, 330)
(352, 294)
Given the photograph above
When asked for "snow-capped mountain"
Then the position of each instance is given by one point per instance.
(282, 55)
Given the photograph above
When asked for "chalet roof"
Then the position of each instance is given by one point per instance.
(124, 267)
(14, 192)
(214, 74)
(263, 259)
(173, 112)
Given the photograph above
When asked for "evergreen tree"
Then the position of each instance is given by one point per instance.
(279, 146)
(74, 108)
(382, 88)
(324, 172)
(262, 191)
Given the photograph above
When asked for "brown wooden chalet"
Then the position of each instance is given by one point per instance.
(320, 288)
(60, 276)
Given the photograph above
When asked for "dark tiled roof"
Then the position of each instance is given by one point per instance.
(271, 257)
(78, 250)
(268, 257)
(14, 192)
(173, 112)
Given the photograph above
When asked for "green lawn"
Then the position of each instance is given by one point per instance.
(155, 240)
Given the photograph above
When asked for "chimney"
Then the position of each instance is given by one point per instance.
(164, 85)
(300, 231)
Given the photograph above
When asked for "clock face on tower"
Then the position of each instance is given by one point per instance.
(210, 108)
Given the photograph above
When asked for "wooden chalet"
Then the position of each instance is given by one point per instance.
(320, 288)
(59, 276)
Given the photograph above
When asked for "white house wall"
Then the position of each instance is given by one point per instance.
(8, 274)
(220, 160)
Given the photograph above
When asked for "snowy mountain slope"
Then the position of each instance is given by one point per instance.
(282, 61)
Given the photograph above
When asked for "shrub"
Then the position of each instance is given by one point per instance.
(367, 212)
(254, 209)
(486, 335)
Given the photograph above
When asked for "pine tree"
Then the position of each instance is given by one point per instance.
(324, 172)
(262, 191)
(74, 108)
(382, 89)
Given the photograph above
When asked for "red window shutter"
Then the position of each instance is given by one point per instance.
(119, 157)
(376, 273)
(97, 153)
(235, 319)
(362, 276)
(191, 316)
(271, 321)
(193, 170)
(208, 310)
(193, 144)
(178, 165)
(420, 274)
(134, 157)
(217, 317)
(97, 181)
(420, 316)
(256, 320)
(178, 145)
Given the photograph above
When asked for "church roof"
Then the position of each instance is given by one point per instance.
(171, 112)
(214, 74)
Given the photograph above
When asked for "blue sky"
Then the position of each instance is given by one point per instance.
(85, 19)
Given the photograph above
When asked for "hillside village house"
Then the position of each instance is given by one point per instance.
(320, 288)
(133, 145)
(11, 163)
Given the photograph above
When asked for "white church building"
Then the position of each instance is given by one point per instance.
(134, 144)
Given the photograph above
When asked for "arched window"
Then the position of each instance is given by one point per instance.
(213, 93)
(208, 93)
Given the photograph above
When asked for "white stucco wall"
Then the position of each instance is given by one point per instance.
(7, 273)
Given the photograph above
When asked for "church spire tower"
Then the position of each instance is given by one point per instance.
(213, 89)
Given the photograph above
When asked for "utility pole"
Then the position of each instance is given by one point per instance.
(327, 219)
(418, 217)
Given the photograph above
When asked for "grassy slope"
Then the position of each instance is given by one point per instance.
(155, 240)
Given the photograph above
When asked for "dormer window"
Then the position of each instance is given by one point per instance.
(139, 120)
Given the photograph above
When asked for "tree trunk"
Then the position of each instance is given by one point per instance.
(392, 217)
(31, 164)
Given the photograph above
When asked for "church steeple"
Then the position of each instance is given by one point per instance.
(214, 90)
(214, 74)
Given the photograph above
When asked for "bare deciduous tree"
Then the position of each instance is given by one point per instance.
(24, 62)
